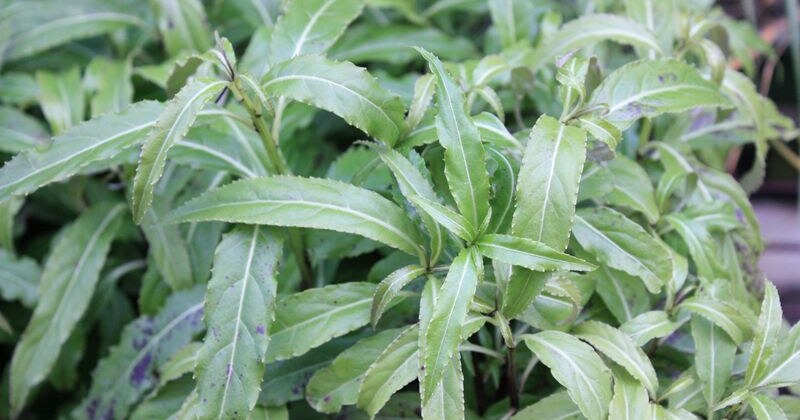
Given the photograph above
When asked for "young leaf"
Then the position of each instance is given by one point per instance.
(577, 367)
(446, 217)
(527, 253)
(336, 385)
(621, 349)
(766, 334)
(713, 358)
(173, 123)
(123, 377)
(19, 278)
(311, 27)
(97, 140)
(395, 368)
(622, 244)
(310, 318)
(465, 159)
(306, 202)
(548, 183)
(648, 88)
(239, 308)
(68, 281)
(443, 333)
(390, 287)
(343, 89)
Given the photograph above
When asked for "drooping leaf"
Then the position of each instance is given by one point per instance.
(648, 88)
(172, 125)
(341, 88)
(302, 202)
(338, 384)
(97, 140)
(67, 284)
(443, 332)
(622, 244)
(766, 334)
(528, 253)
(127, 373)
(239, 308)
(577, 367)
(310, 318)
(621, 349)
(464, 156)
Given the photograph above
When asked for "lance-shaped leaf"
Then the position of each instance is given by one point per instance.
(577, 367)
(632, 188)
(765, 407)
(620, 243)
(395, 368)
(699, 241)
(724, 315)
(173, 124)
(128, 372)
(649, 325)
(592, 29)
(93, 141)
(39, 25)
(19, 278)
(449, 219)
(311, 27)
(20, 131)
(390, 287)
(621, 349)
(511, 19)
(648, 88)
(61, 98)
(183, 26)
(630, 401)
(343, 89)
(548, 182)
(239, 308)
(167, 247)
(443, 332)
(554, 406)
(68, 281)
(464, 157)
(310, 318)
(713, 358)
(766, 334)
(306, 202)
(528, 253)
(413, 184)
(784, 368)
(336, 385)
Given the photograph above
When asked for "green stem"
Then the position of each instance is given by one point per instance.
(644, 133)
(277, 163)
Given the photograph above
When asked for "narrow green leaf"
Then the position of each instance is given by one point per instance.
(61, 98)
(336, 385)
(343, 89)
(311, 27)
(173, 123)
(97, 140)
(443, 333)
(766, 334)
(622, 244)
(68, 281)
(699, 241)
(128, 372)
(724, 315)
(548, 183)
(648, 88)
(632, 188)
(523, 287)
(493, 131)
(556, 406)
(449, 219)
(649, 325)
(306, 202)
(183, 25)
(784, 367)
(395, 368)
(19, 131)
(527, 253)
(447, 401)
(19, 278)
(465, 159)
(765, 408)
(390, 287)
(310, 318)
(168, 247)
(239, 308)
(713, 358)
(511, 19)
(630, 401)
(577, 367)
(111, 83)
(621, 349)
(181, 363)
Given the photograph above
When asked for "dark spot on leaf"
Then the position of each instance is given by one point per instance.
(140, 370)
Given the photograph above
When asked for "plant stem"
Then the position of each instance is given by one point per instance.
(644, 133)
(277, 163)
(787, 153)
(511, 377)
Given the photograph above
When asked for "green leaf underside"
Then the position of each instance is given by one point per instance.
(306, 202)
(68, 281)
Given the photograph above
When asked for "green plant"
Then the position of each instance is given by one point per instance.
(538, 227)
